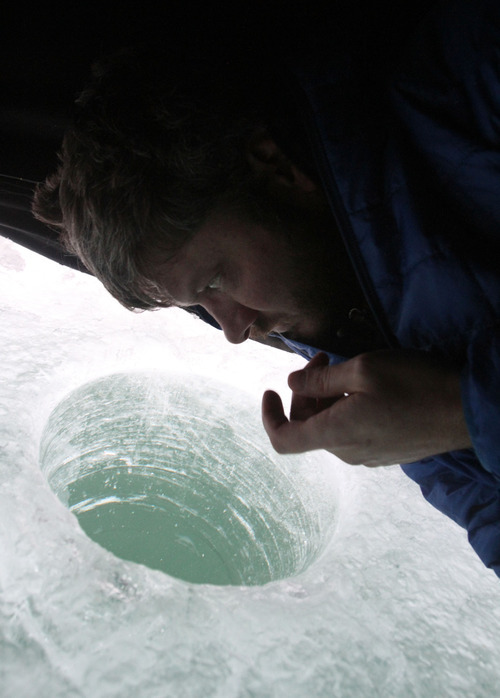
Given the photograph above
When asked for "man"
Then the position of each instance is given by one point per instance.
(348, 210)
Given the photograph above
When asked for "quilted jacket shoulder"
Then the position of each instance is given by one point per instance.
(412, 170)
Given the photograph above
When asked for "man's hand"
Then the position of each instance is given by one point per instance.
(379, 408)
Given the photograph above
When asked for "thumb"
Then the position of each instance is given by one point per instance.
(273, 414)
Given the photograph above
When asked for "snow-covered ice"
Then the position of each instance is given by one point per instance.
(339, 581)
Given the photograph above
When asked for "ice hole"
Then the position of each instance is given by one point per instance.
(174, 473)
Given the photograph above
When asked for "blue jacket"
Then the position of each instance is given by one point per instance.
(413, 178)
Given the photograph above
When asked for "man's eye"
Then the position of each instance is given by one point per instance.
(216, 283)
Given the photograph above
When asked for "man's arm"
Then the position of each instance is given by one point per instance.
(379, 408)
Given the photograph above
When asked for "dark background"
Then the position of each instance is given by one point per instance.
(46, 50)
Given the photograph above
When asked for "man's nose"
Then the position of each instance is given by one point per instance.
(235, 319)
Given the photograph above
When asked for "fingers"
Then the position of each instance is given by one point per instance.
(285, 436)
(319, 380)
(397, 410)
(302, 407)
(319, 359)
(273, 414)
(275, 421)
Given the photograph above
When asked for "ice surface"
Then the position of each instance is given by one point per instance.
(386, 599)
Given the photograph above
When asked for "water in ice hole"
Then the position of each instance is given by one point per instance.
(388, 600)
(157, 473)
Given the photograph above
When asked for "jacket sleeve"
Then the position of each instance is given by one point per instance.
(481, 397)
(457, 485)
(447, 101)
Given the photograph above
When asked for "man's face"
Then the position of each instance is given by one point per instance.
(254, 280)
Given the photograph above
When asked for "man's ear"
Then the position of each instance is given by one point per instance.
(266, 158)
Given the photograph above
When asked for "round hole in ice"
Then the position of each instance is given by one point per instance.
(176, 473)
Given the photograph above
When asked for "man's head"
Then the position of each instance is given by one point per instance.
(162, 171)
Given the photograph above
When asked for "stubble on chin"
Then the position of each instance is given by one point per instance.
(262, 327)
(314, 298)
